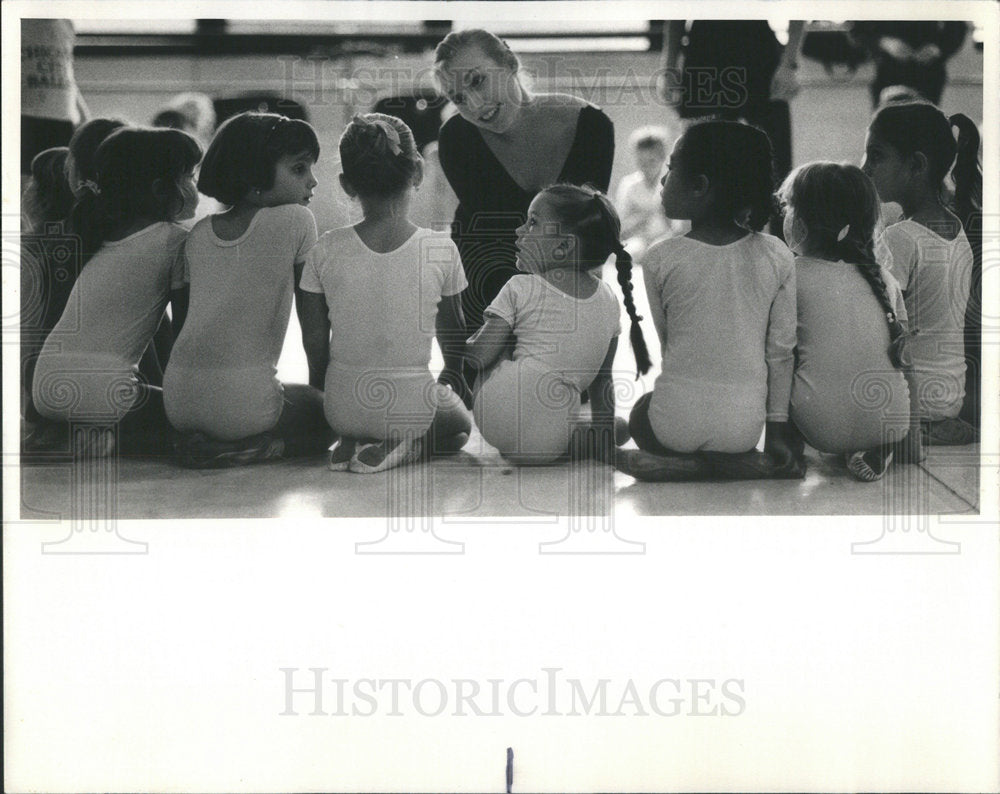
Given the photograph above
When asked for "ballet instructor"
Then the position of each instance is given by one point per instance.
(502, 147)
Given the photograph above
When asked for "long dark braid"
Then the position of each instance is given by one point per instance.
(623, 268)
(872, 273)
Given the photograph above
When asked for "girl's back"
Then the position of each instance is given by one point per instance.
(112, 312)
(383, 306)
(241, 290)
(935, 275)
(556, 332)
(726, 317)
(846, 394)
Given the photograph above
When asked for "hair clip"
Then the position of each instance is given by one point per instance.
(843, 233)
(91, 186)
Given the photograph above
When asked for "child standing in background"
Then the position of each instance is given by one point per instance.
(723, 302)
(638, 197)
(562, 322)
(242, 265)
(849, 394)
(88, 367)
(909, 150)
(384, 286)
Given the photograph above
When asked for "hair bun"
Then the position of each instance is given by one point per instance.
(381, 136)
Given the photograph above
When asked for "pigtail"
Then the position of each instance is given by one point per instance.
(91, 222)
(623, 265)
(967, 172)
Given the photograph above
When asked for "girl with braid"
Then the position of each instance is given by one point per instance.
(552, 332)
(722, 299)
(849, 394)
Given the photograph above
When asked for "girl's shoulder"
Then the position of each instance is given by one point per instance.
(295, 213)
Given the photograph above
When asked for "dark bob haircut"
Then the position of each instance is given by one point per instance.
(245, 150)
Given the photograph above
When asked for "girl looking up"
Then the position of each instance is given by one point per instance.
(551, 333)
(220, 387)
(385, 286)
(723, 302)
(849, 395)
(88, 368)
(909, 150)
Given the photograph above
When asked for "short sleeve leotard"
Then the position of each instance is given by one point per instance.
(221, 379)
(526, 405)
(383, 308)
(492, 204)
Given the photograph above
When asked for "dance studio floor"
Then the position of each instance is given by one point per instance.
(477, 483)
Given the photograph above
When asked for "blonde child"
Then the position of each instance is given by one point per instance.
(849, 395)
(220, 388)
(722, 298)
(909, 151)
(87, 370)
(375, 294)
(638, 196)
(552, 333)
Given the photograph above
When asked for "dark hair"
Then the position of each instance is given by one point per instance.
(48, 197)
(245, 150)
(839, 206)
(590, 216)
(378, 154)
(738, 162)
(83, 146)
(911, 127)
(493, 46)
(127, 165)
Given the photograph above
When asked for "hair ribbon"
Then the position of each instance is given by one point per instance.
(391, 136)
(843, 233)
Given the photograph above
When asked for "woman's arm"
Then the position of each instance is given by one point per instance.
(451, 334)
(600, 149)
(315, 336)
(488, 344)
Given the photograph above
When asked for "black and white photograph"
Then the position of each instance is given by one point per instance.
(501, 396)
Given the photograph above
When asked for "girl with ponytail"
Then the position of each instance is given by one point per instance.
(126, 218)
(849, 393)
(551, 332)
(910, 151)
(722, 298)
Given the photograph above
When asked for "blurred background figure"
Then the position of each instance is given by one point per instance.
(637, 198)
(51, 105)
(911, 54)
(191, 112)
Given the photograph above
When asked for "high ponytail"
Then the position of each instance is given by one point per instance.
(91, 222)
(967, 172)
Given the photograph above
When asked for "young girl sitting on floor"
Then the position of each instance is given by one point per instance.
(723, 302)
(220, 388)
(909, 151)
(384, 285)
(562, 322)
(88, 368)
(848, 394)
